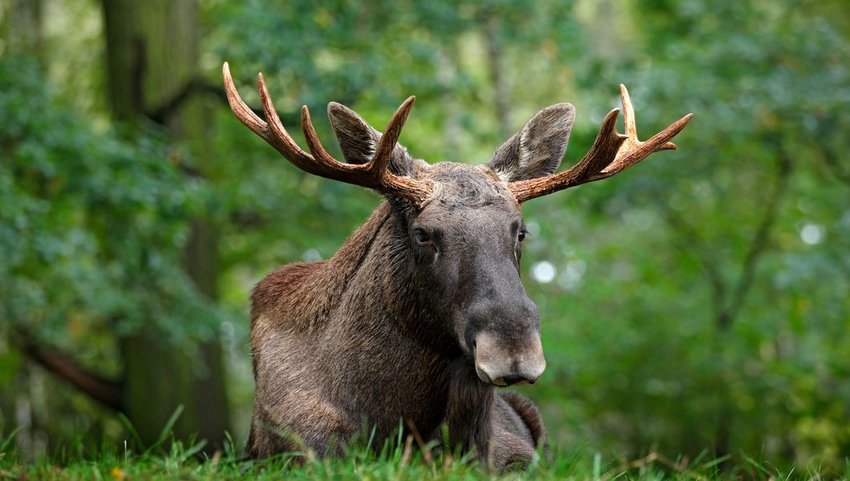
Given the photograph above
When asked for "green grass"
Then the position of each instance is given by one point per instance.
(187, 463)
(167, 459)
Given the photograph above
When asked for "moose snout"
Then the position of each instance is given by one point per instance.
(504, 362)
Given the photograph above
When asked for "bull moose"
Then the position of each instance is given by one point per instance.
(421, 314)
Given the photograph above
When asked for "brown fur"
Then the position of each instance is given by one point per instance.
(385, 331)
(314, 374)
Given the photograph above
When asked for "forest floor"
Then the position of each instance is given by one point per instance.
(400, 464)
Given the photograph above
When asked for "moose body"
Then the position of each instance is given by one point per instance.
(421, 314)
(329, 366)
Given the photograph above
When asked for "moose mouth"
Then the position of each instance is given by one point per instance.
(503, 381)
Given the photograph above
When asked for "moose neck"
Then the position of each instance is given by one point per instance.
(375, 267)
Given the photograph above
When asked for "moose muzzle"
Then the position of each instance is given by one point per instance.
(507, 362)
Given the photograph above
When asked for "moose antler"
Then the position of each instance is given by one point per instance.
(374, 174)
(610, 153)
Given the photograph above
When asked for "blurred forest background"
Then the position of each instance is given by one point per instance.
(697, 303)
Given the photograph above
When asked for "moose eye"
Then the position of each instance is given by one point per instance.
(521, 234)
(421, 236)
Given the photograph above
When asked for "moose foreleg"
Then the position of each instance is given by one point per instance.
(517, 433)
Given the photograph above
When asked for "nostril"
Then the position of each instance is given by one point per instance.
(511, 380)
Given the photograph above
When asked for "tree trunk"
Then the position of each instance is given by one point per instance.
(495, 62)
(22, 32)
(152, 55)
(22, 29)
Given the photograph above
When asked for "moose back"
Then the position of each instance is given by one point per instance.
(421, 314)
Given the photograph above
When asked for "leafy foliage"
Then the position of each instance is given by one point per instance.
(694, 304)
(92, 224)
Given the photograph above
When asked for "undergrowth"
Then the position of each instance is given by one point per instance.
(399, 459)
(188, 462)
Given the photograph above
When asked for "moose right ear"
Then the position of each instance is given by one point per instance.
(358, 140)
(537, 149)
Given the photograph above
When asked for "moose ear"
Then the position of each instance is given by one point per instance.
(358, 140)
(537, 149)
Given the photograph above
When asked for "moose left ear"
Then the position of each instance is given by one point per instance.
(358, 140)
(537, 149)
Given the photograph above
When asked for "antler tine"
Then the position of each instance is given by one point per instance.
(240, 108)
(610, 153)
(629, 118)
(604, 149)
(416, 190)
(633, 150)
(327, 165)
(280, 138)
(383, 152)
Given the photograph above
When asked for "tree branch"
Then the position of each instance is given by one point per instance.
(707, 263)
(105, 391)
(162, 113)
(760, 240)
(197, 85)
(494, 62)
(833, 163)
(831, 157)
(729, 299)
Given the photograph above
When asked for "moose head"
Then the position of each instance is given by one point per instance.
(456, 237)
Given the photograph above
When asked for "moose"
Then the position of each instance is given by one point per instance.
(421, 314)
